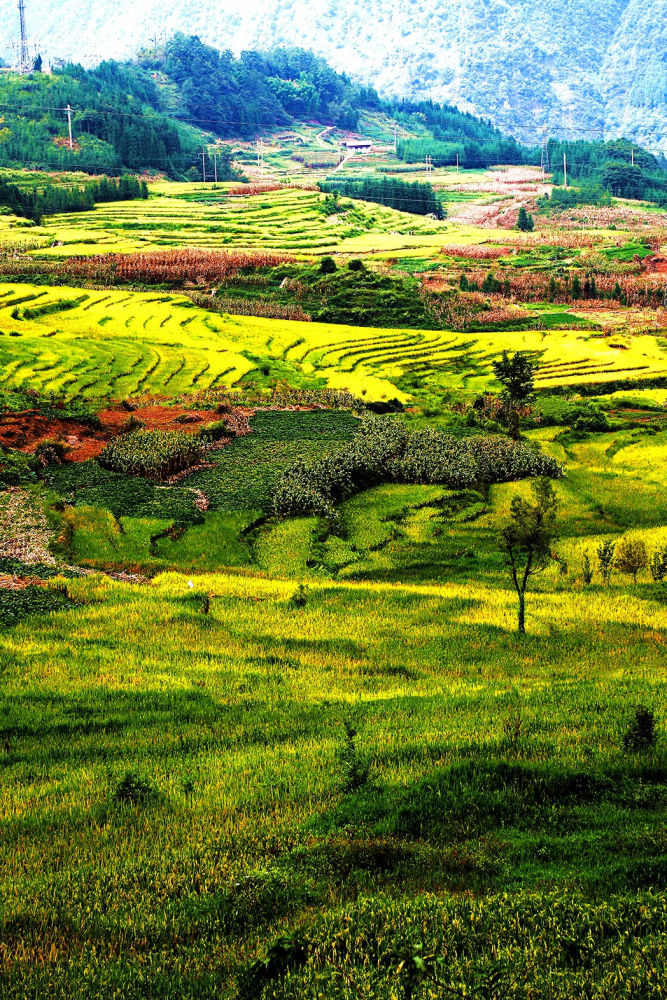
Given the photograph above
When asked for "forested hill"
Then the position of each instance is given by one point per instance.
(583, 68)
(150, 113)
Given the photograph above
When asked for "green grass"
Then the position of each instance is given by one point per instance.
(234, 719)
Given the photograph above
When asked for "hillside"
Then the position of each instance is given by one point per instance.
(583, 69)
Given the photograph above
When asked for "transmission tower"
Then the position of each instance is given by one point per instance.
(25, 65)
(545, 153)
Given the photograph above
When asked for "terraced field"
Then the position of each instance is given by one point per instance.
(290, 219)
(115, 343)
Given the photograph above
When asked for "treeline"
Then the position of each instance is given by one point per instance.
(474, 141)
(619, 167)
(420, 199)
(471, 153)
(570, 197)
(53, 199)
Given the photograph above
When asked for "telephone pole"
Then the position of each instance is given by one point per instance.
(429, 165)
(69, 127)
(395, 139)
(203, 164)
(545, 154)
(215, 166)
(260, 160)
(457, 163)
(565, 169)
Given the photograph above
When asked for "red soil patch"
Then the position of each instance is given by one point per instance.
(24, 431)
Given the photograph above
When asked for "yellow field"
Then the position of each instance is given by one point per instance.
(115, 343)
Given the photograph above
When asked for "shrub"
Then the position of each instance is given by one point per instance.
(354, 768)
(641, 733)
(355, 265)
(658, 565)
(154, 454)
(299, 598)
(50, 453)
(17, 469)
(631, 557)
(134, 790)
(587, 569)
(605, 553)
(328, 265)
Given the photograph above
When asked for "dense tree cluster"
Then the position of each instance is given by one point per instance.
(236, 97)
(52, 198)
(618, 167)
(116, 123)
(420, 199)
(385, 450)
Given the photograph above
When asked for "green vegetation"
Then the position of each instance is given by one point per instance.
(419, 199)
(271, 490)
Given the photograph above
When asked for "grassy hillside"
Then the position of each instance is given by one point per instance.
(254, 756)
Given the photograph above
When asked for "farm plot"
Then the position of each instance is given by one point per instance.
(288, 219)
(111, 344)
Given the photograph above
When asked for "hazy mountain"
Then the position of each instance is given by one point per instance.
(587, 68)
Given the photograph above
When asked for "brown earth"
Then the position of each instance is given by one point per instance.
(25, 431)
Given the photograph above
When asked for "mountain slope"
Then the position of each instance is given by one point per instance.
(585, 68)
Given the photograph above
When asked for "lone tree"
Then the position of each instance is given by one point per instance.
(525, 221)
(527, 538)
(517, 375)
(631, 556)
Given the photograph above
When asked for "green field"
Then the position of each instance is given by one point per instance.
(290, 220)
(256, 757)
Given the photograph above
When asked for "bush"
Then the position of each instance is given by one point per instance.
(641, 733)
(17, 469)
(658, 565)
(328, 265)
(355, 265)
(50, 453)
(134, 790)
(385, 451)
(631, 557)
(354, 768)
(299, 598)
(154, 454)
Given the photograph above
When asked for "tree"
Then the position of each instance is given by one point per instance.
(527, 538)
(517, 375)
(605, 553)
(525, 222)
(37, 64)
(631, 556)
(658, 565)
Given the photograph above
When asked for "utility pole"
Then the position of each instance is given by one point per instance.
(633, 156)
(545, 154)
(260, 162)
(203, 163)
(69, 126)
(565, 168)
(215, 165)
(429, 165)
(457, 163)
(395, 139)
(24, 57)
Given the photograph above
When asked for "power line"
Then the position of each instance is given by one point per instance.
(105, 109)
